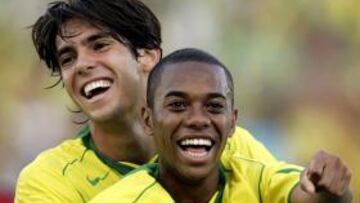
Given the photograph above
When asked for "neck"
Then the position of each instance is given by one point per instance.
(123, 140)
(181, 190)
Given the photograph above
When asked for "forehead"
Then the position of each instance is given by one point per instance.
(74, 30)
(193, 77)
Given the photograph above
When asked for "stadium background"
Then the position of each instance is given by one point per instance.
(296, 66)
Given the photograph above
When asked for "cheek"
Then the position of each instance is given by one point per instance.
(225, 126)
(164, 131)
(67, 79)
(129, 77)
(163, 144)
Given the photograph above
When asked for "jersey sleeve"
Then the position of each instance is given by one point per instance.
(37, 184)
(278, 181)
(245, 145)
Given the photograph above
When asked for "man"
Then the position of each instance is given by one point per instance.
(103, 52)
(190, 114)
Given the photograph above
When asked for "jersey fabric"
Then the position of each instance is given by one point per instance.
(245, 180)
(75, 171)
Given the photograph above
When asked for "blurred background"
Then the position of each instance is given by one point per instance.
(296, 66)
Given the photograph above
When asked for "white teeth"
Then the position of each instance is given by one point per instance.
(95, 84)
(196, 141)
(197, 154)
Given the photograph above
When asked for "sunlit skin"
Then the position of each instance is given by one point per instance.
(89, 54)
(192, 100)
(325, 179)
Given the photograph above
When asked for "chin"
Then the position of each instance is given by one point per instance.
(103, 115)
(194, 175)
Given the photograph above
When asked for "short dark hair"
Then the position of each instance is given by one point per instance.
(183, 55)
(129, 21)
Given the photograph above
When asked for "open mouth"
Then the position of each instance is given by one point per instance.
(196, 147)
(95, 88)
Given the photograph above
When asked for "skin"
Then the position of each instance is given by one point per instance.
(87, 53)
(182, 111)
(325, 179)
(115, 121)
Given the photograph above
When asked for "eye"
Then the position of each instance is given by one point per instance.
(66, 60)
(215, 107)
(178, 105)
(101, 45)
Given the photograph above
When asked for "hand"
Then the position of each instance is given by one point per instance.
(326, 173)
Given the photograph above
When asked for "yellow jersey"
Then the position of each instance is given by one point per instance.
(243, 180)
(75, 171)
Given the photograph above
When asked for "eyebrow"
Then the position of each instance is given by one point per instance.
(184, 95)
(87, 40)
(176, 94)
(216, 95)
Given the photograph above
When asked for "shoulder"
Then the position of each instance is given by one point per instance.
(243, 143)
(261, 171)
(262, 181)
(240, 138)
(246, 168)
(137, 186)
(57, 158)
(46, 172)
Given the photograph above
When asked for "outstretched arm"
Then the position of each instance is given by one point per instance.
(325, 179)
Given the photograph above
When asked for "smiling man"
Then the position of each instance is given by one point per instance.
(103, 52)
(191, 114)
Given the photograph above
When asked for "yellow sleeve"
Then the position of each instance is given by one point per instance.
(37, 184)
(278, 182)
(245, 145)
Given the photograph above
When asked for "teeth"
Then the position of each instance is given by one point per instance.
(95, 84)
(196, 141)
(201, 154)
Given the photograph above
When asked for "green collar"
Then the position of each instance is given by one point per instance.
(222, 182)
(153, 170)
(121, 168)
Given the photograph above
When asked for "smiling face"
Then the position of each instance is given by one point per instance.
(191, 119)
(99, 73)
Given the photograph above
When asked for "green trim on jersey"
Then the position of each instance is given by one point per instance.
(238, 183)
(83, 132)
(289, 170)
(74, 171)
(153, 170)
(259, 183)
(222, 182)
(121, 168)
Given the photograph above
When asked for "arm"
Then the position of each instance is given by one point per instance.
(326, 179)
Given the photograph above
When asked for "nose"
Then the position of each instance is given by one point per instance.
(85, 63)
(197, 118)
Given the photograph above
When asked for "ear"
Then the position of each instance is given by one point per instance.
(233, 121)
(146, 120)
(148, 58)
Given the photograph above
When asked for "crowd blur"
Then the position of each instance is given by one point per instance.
(296, 66)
